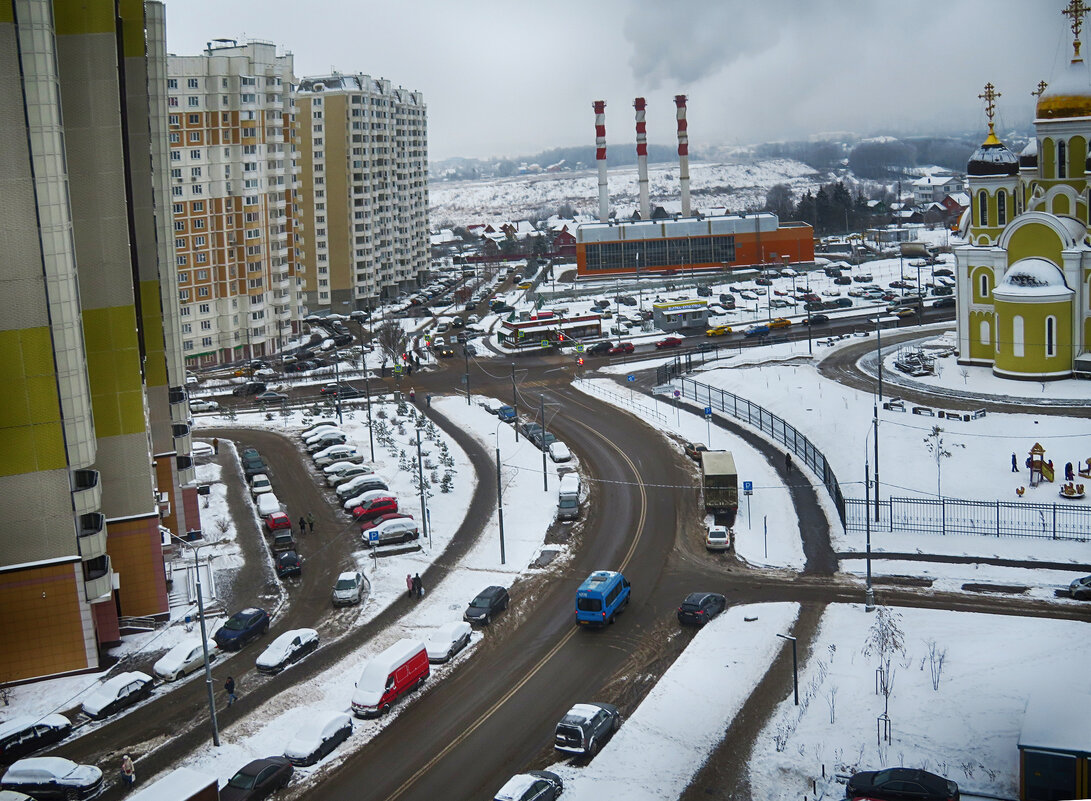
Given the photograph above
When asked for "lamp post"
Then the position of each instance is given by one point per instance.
(420, 481)
(795, 665)
(204, 640)
(367, 394)
(869, 592)
(499, 495)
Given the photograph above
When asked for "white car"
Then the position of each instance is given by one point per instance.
(360, 499)
(334, 453)
(317, 737)
(315, 436)
(537, 784)
(360, 484)
(267, 503)
(559, 452)
(186, 657)
(202, 405)
(288, 648)
(317, 424)
(352, 471)
(447, 640)
(260, 484)
(325, 440)
(718, 538)
(349, 589)
(117, 693)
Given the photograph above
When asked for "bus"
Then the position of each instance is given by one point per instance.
(602, 595)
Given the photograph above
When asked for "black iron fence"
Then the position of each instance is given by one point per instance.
(1051, 521)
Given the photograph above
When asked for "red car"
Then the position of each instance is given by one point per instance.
(370, 524)
(375, 507)
(278, 520)
(621, 347)
(669, 342)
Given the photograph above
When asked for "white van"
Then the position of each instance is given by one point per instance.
(568, 497)
(267, 504)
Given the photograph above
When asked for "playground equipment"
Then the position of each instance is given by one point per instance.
(1040, 469)
(1072, 491)
(1085, 472)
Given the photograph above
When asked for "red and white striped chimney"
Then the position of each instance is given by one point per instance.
(642, 157)
(683, 153)
(600, 157)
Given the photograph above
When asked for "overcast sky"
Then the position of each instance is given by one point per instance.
(513, 78)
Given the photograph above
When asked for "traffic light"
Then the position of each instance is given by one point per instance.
(579, 361)
(560, 337)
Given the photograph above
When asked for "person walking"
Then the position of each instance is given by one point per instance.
(302, 524)
(412, 395)
(418, 586)
(409, 586)
(788, 462)
(215, 445)
(1014, 464)
(229, 686)
(310, 521)
(128, 771)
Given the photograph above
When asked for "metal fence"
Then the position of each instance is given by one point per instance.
(1051, 521)
(765, 421)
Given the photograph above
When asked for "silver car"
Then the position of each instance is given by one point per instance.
(349, 589)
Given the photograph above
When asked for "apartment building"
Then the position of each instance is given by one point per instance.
(231, 121)
(363, 190)
(94, 446)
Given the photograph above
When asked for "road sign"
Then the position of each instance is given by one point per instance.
(677, 393)
(630, 378)
(373, 537)
(708, 412)
(545, 343)
(579, 348)
(748, 487)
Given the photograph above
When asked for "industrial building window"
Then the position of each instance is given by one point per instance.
(1051, 336)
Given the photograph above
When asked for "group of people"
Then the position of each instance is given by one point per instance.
(306, 523)
(414, 586)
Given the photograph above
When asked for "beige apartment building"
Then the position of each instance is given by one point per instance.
(233, 177)
(95, 452)
(363, 190)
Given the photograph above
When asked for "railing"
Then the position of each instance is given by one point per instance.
(619, 399)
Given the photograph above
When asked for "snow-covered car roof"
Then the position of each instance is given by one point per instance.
(20, 723)
(515, 787)
(309, 736)
(176, 656)
(440, 639)
(46, 768)
(348, 575)
(109, 690)
(279, 648)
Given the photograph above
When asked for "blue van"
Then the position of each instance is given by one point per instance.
(602, 595)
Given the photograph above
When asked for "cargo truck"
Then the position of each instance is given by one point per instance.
(719, 481)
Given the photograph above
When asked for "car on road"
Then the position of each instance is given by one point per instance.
(904, 311)
(277, 521)
(559, 452)
(258, 779)
(271, 397)
(348, 589)
(317, 737)
(694, 450)
(20, 736)
(186, 657)
(816, 319)
(444, 352)
(718, 538)
(446, 641)
(700, 607)
(586, 727)
(260, 483)
(780, 322)
(756, 331)
(488, 603)
(621, 348)
(340, 390)
(116, 693)
(470, 350)
(599, 348)
(668, 342)
(283, 541)
(943, 303)
(241, 628)
(718, 331)
(538, 785)
(289, 563)
(286, 650)
(901, 784)
(1080, 589)
(52, 777)
(202, 405)
(249, 388)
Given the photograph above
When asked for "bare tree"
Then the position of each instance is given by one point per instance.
(885, 641)
(938, 448)
(936, 658)
(391, 339)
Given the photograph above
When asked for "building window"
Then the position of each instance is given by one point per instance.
(172, 102)
(187, 344)
(194, 102)
(982, 208)
(198, 189)
(187, 328)
(184, 311)
(199, 205)
(194, 172)
(176, 191)
(175, 138)
(206, 325)
(1062, 159)
(194, 119)
(194, 136)
(180, 243)
(198, 224)
(202, 275)
(202, 258)
(202, 291)
(1051, 336)
(984, 285)
(1001, 208)
(193, 83)
(984, 333)
(206, 341)
(180, 261)
(1017, 336)
(183, 295)
(179, 225)
(175, 155)
(172, 83)
(203, 308)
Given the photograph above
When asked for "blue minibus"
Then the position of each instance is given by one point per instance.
(602, 595)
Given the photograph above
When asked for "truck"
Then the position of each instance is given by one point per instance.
(719, 481)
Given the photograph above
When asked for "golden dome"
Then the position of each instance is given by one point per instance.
(1068, 96)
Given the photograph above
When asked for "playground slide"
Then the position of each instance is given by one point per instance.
(1047, 472)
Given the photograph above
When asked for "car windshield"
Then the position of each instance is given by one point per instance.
(235, 624)
(243, 780)
(481, 602)
(346, 584)
(589, 604)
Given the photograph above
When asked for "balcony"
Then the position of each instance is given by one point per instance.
(86, 491)
(178, 430)
(98, 578)
(176, 395)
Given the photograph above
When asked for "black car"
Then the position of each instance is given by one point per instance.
(586, 727)
(944, 271)
(489, 602)
(816, 319)
(529, 428)
(535, 785)
(901, 784)
(704, 291)
(289, 563)
(340, 390)
(22, 736)
(258, 779)
(700, 607)
(253, 467)
(842, 280)
(241, 628)
(599, 348)
(943, 303)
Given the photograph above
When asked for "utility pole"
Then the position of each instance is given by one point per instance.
(875, 422)
(420, 480)
(514, 402)
(367, 394)
(869, 593)
(337, 383)
(500, 503)
(466, 356)
(541, 414)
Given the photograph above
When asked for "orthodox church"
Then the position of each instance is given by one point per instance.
(1024, 276)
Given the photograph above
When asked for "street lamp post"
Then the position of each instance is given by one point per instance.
(795, 665)
(204, 640)
(367, 395)
(499, 495)
(869, 592)
(420, 480)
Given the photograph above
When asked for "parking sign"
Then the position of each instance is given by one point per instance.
(630, 378)
(373, 537)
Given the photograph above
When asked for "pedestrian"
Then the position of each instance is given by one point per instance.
(409, 587)
(229, 686)
(1014, 464)
(428, 400)
(128, 770)
(215, 445)
(418, 586)
(310, 521)
(302, 525)
(788, 462)
(412, 395)
(1069, 475)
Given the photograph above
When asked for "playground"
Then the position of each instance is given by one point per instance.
(1041, 469)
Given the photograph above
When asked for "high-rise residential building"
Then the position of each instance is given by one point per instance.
(231, 121)
(94, 445)
(363, 190)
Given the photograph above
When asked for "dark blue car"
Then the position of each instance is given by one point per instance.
(241, 628)
(506, 413)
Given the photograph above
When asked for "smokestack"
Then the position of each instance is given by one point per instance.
(600, 157)
(683, 153)
(642, 157)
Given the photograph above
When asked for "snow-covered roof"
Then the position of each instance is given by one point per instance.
(1032, 276)
(934, 180)
(1057, 721)
(961, 198)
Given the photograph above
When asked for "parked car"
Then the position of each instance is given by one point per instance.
(1080, 589)
(586, 727)
(258, 779)
(116, 693)
(289, 563)
(283, 541)
(317, 737)
(267, 503)
(391, 531)
(336, 453)
(52, 777)
(700, 607)
(286, 650)
(318, 433)
(348, 589)
(446, 641)
(488, 603)
(622, 348)
(365, 492)
(202, 405)
(201, 450)
(901, 784)
(529, 428)
(506, 413)
(542, 439)
(373, 507)
(271, 397)
(944, 271)
(538, 785)
(241, 628)
(325, 440)
(259, 484)
(346, 474)
(20, 736)
(359, 485)
(316, 425)
(718, 331)
(559, 452)
(277, 521)
(718, 538)
(842, 280)
(668, 342)
(943, 303)
(254, 467)
(694, 450)
(337, 468)
(375, 521)
(186, 657)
